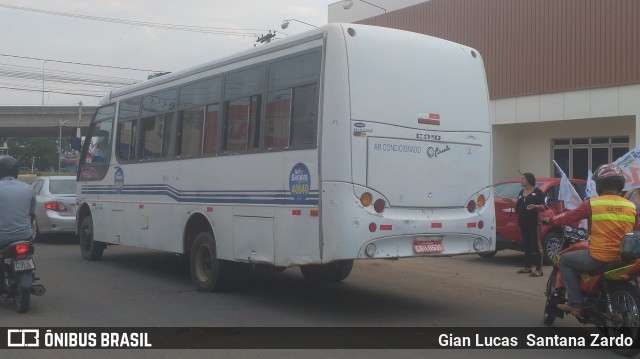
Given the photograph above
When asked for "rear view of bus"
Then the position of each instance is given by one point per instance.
(418, 179)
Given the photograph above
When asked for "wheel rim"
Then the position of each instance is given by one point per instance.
(553, 247)
(204, 264)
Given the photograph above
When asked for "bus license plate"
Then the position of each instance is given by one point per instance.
(428, 246)
(23, 265)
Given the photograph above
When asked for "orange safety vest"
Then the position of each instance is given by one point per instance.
(611, 218)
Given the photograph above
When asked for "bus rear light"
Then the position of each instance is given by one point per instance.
(436, 225)
(55, 206)
(379, 205)
(481, 201)
(386, 227)
(365, 199)
(370, 250)
(314, 212)
(296, 212)
(471, 225)
(481, 224)
(373, 227)
(471, 206)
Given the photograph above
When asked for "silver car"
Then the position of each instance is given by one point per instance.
(55, 205)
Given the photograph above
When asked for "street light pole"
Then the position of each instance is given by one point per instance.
(285, 23)
(60, 123)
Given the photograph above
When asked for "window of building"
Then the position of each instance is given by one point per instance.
(577, 156)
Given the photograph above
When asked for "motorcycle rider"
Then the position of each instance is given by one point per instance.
(17, 204)
(610, 218)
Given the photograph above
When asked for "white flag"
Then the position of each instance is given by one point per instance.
(590, 190)
(567, 193)
(630, 166)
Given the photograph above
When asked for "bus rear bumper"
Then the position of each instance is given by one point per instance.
(419, 245)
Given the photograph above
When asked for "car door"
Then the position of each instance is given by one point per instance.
(506, 217)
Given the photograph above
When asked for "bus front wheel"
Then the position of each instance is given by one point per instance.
(208, 273)
(90, 249)
(327, 273)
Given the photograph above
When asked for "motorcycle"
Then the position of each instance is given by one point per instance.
(17, 274)
(611, 295)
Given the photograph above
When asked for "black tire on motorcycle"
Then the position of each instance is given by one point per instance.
(624, 295)
(90, 249)
(548, 319)
(551, 245)
(22, 298)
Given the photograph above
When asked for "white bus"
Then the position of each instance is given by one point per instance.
(346, 142)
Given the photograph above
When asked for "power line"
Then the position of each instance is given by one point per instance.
(78, 63)
(39, 70)
(47, 91)
(201, 29)
(64, 78)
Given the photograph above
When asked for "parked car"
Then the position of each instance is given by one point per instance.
(55, 205)
(507, 230)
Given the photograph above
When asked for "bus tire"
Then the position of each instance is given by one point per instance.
(91, 250)
(344, 269)
(327, 273)
(208, 273)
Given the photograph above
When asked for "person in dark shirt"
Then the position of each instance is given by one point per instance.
(17, 204)
(530, 199)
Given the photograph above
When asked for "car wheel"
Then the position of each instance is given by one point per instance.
(35, 237)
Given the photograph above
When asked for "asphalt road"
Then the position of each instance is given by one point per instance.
(133, 287)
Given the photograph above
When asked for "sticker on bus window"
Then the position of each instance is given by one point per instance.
(118, 180)
(299, 182)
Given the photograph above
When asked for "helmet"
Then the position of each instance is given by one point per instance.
(608, 176)
(9, 167)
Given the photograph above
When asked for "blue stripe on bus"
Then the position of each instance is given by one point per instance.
(277, 197)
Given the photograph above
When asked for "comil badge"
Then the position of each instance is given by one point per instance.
(299, 182)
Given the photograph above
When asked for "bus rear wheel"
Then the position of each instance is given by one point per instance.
(327, 273)
(208, 273)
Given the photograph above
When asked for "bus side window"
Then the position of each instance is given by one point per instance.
(96, 152)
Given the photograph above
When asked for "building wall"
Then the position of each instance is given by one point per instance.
(536, 46)
(525, 126)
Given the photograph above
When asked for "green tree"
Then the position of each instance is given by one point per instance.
(43, 151)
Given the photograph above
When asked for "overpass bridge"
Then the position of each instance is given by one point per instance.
(43, 121)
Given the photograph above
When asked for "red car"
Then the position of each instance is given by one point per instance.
(507, 230)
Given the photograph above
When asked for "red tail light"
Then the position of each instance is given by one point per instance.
(22, 248)
(55, 206)
(379, 205)
(471, 206)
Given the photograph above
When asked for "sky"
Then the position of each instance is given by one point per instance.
(36, 39)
